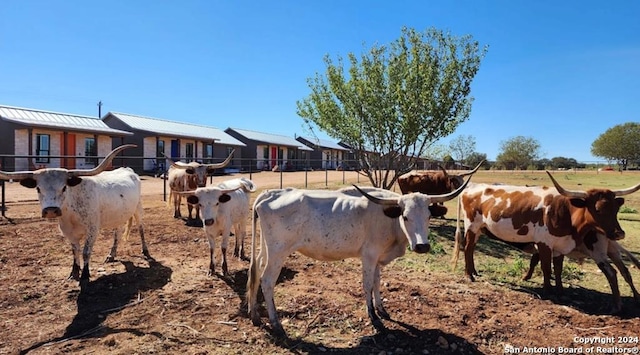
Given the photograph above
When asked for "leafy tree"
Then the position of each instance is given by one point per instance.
(518, 152)
(448, 161)
(475, 158)
(436, 152)
(462, 146)
(395, 100)
(563, 163)
(619, 143)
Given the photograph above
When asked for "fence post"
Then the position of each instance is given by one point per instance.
(4, 206)
(326, 176)
(164, 186)
(281, 175)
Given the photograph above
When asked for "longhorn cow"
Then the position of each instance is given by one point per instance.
(333, 225)
(85, 201)
(556, 220)
(188, 177)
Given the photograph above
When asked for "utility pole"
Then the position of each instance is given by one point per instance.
(100, 109)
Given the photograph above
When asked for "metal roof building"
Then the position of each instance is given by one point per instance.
(175, 129)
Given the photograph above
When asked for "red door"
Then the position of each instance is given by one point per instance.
(274, 156)
(68, 147)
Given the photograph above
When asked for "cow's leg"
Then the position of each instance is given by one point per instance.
(610, 273)
(545, 263)
(177, 199)
(376, 294)
(557, 271)
(617, 261)
(212, 245)
(238, 250)
(368, 280)
(114, 249)
(223, 247)
(535, 258)
(92, 232)
(268, 281)
(469, 265)
(75, 268)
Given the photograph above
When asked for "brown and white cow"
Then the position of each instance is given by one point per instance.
(85, 201)
(433, 183)
(556, 220)
(335, 225)
(188, 177)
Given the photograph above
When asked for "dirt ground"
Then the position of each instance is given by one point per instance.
(171, 306)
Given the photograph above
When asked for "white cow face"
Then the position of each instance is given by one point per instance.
(52, 185)
(209, 200)
(414, 220)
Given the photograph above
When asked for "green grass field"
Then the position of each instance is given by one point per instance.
(498, 263)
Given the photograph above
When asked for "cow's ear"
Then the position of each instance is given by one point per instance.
(74, 180)
(438, 210)
(193, 199)
(224, 198)
(29, 182)
(578, 202)
(190, 171)
(620, 201)
(393, 212)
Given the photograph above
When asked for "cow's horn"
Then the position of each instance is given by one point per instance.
(103, 165)
(472, 171)
(448, 196)
(223, 164)
(15, 175)
(564, 192)
(627, 191)
(377, 200)
(444, 171)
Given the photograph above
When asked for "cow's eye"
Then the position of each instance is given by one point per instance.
(38, 189)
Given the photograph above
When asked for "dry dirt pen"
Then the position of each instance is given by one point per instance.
(171, 306)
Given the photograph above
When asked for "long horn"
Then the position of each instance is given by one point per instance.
(15, 175)
(20, 175)
(568, 193)
(627, 191)
(223, 164)
(171, 162)
(377, 200)
(472, 171)
(444, 171)
(103, 165)
(451, 195)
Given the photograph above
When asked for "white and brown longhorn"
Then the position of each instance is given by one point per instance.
(188, 177)
(556, 220)
(85, 201)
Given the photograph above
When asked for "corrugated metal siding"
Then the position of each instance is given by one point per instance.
(172, 129)
(63, 121)
(274, 139)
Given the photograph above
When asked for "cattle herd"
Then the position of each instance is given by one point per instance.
(371, 224)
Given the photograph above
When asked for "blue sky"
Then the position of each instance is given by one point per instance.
(562, 72)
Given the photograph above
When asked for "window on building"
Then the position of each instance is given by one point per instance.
(160, 149)
(90, 151)
(208, 153)
(43, 148)
(189, 151)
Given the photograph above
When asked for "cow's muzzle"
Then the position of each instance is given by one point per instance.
(51, 212)
(208, 222)
(422, 248)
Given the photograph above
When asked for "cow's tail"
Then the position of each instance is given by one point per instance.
(253, 277)
(456, 244)
(631, 257)
(127, 229)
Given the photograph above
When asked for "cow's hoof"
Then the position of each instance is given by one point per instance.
(377, 323)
